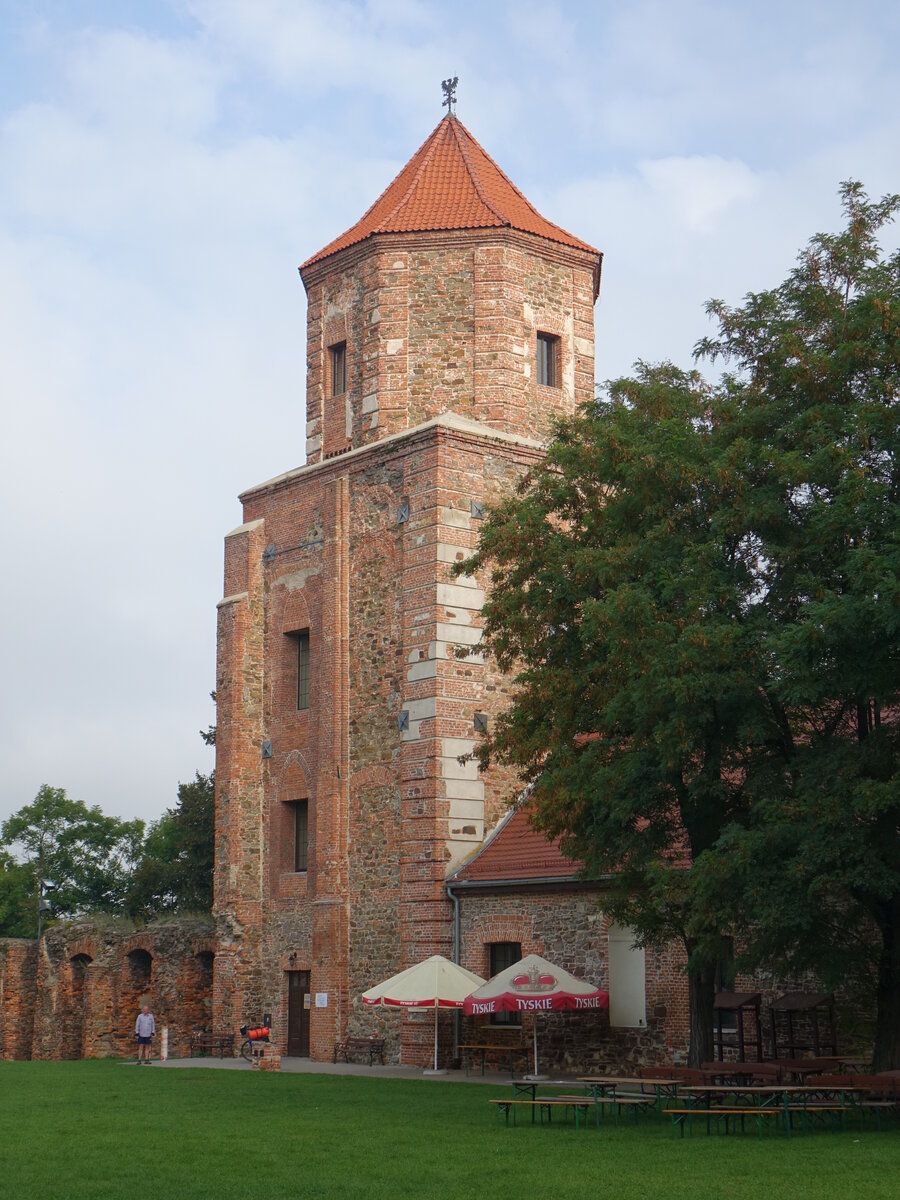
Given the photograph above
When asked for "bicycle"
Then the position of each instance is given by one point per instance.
(251, 1034)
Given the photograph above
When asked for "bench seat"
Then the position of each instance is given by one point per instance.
(367, 1047)
(545, 1104)
(203, 1043)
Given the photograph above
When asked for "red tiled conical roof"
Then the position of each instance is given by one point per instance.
(450, 183)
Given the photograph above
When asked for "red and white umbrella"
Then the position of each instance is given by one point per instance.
(435, 983)
(534, 985)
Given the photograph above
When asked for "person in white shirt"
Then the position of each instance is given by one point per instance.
(144, 1027)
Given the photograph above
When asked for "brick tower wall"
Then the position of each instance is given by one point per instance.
(440, 415)
(360, 554)
(445, 323)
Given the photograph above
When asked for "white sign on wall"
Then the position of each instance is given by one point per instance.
(321, 999)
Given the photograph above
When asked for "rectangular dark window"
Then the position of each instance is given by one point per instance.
(302, 640)
(503, 955)
(338, 368)
(725, 973)
(301, 833)
(548, 360)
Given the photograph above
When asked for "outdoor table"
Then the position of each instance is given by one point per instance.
(604, 1085)
(848, 1063)
(485, 1048)
(802, 1068)
(767, 1096)
(529, 1087)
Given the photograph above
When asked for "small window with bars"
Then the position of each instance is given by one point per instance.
(501, 956)
(301, 664)
(337, 358)
(548, 360)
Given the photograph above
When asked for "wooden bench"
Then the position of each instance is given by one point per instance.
(817, 1109)
(369, 1046)
(627, 1104)
(545, 1104)
(682, 1116)
(203, 1043)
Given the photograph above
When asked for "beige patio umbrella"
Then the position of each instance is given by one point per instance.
(435, 983)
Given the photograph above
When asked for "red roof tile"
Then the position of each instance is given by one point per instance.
(450, 183)
(516, 851)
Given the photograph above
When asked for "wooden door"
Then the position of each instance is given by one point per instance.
(298, 1014)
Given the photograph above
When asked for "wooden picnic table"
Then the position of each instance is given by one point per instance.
(714, 1101)
(663, 1085)
(529, 1087)
(510, 1049)
(628, 1104)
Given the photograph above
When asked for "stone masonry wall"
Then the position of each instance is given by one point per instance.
(18, 967)
(445, 322)
(440, 414)
(358, 552)
(93, 977)
(567, 926)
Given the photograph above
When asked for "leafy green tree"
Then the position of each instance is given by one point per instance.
(175, 873)
(697, 593)
(810, 420)
(18, 900)
(87, 855)
(619, 600)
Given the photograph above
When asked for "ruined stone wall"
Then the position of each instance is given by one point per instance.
(18, 969)
(79, 996)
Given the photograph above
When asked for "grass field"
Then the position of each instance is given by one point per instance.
(110, 1129)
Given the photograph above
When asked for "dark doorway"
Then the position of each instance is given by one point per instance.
(298, 1014)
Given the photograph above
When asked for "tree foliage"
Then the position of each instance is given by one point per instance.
(175, 873)
(811, 419)
(101, 864)
(18, 912)
(87, 855)
(697, 593)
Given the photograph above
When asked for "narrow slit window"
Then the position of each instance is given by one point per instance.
(301, 834)
(301, 640)
(338, 368)
(548, 360)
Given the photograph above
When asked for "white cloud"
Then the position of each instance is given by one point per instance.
(159, 186)
(699, 188)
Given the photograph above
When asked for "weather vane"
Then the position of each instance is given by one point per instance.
(449, 88)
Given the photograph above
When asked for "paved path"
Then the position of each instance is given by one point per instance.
(305, 1066)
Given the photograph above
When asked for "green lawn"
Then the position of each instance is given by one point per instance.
(110, 1129)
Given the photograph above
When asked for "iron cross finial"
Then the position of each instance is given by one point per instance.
(449, 89)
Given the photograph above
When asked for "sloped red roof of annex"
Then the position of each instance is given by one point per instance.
(450, 183)
(517, 851)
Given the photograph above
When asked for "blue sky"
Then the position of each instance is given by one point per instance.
(164, 167)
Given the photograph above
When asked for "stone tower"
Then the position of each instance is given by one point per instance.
(445, 329)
